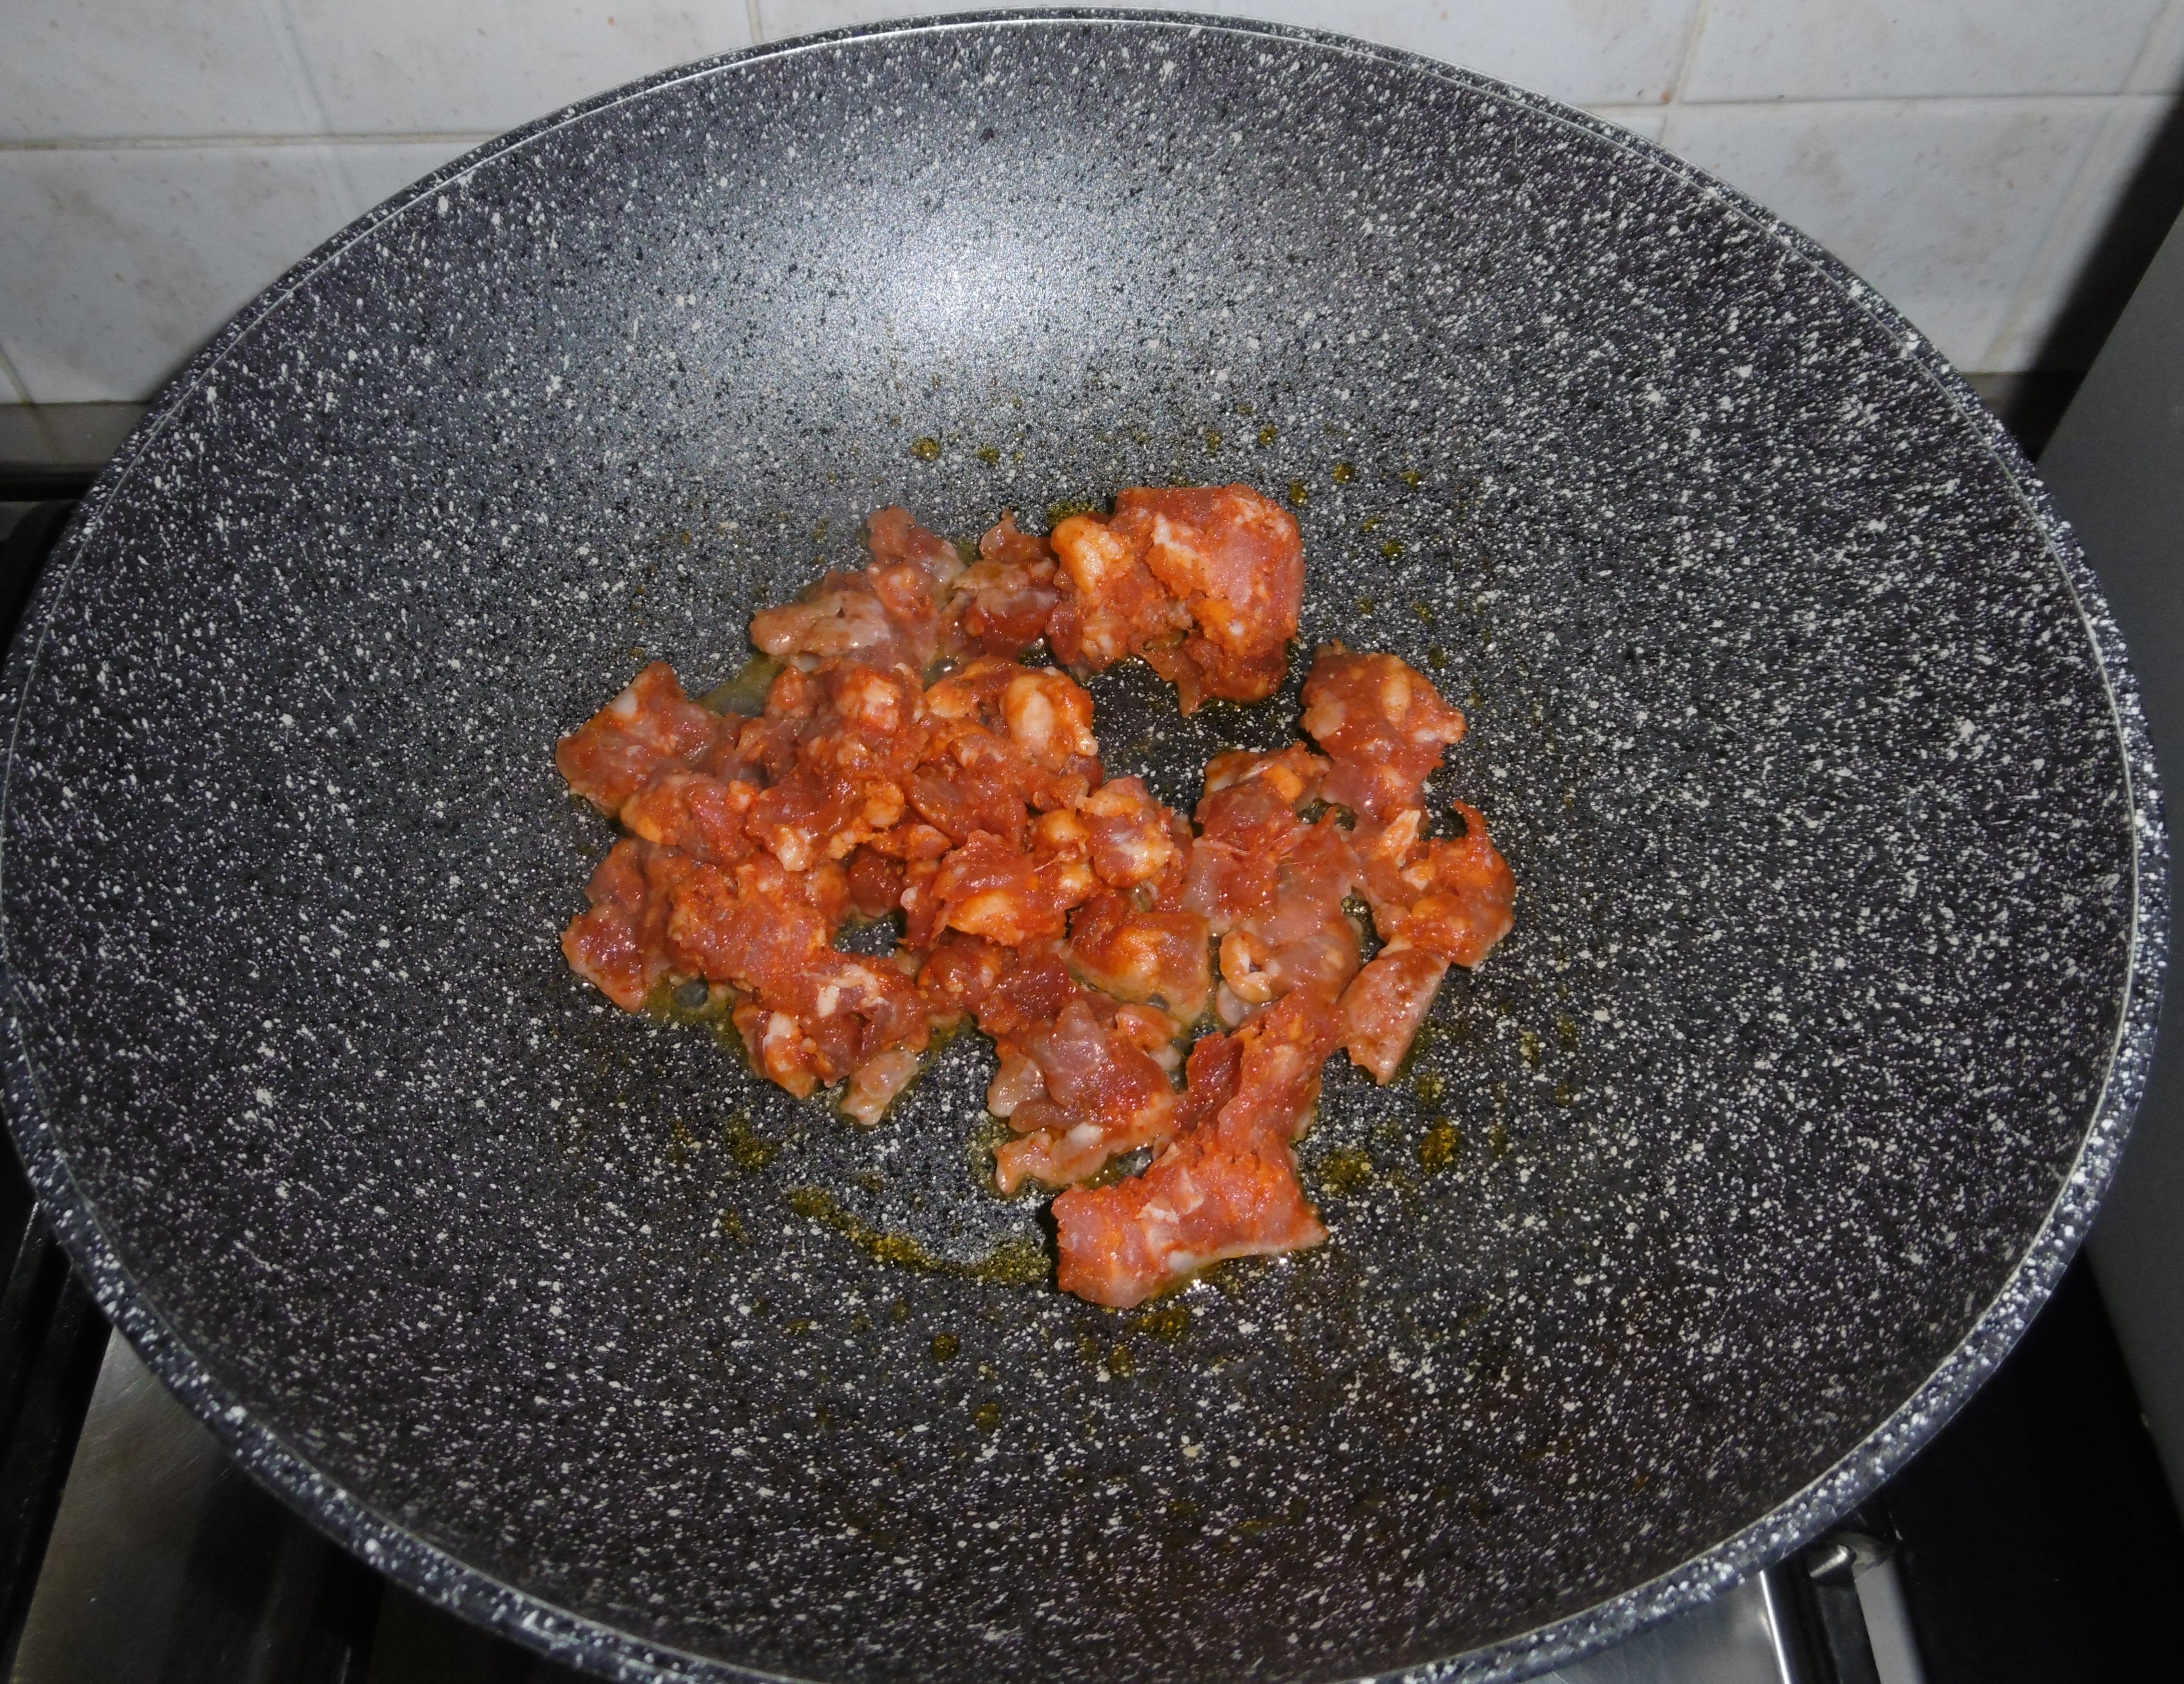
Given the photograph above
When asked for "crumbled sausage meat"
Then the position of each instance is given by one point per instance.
(906, 765)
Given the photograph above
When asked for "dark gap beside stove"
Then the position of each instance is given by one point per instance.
(2036, 1539)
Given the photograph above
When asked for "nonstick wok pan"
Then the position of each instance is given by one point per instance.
(1712, 1193)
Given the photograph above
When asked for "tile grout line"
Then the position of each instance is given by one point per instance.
(13, 382)
(1962, 102)
(2163, 29)
(272, 16)
(203, 142)
(304, 86)
(757, 23)
(2036, 273)
(1671, 126)
(2048, 254)
(1866, 102)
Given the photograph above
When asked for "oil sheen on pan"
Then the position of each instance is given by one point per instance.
(907, 766)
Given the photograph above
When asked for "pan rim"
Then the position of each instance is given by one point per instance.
(440, 1577)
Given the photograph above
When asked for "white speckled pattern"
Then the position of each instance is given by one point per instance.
(1793, 704)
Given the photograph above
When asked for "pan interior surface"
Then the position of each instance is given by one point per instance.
(1782, 707)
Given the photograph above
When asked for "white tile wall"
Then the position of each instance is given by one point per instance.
(417, 66)
(160, 161)
(2160, 67)
(1583, 51)
(116, 262)
(108, 68)
(2127, 132)
(1859, 49)
(1943, 205)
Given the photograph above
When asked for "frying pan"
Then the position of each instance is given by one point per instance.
(1702, 1204)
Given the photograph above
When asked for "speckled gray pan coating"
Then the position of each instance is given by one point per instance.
(1791, 703)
